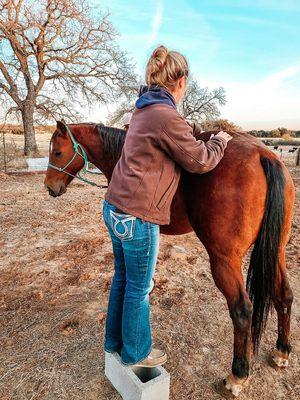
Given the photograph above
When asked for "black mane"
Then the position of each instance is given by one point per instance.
(112, 139)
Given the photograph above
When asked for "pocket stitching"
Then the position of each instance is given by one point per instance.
(114, 221)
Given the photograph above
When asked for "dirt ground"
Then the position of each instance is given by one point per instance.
(55, 274)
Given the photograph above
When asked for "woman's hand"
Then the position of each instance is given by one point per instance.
(223, 135)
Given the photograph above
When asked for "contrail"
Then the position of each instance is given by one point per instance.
(156, 22)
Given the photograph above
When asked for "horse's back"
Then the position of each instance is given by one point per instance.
(229, 194)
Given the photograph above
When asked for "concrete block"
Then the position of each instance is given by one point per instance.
(136, 383)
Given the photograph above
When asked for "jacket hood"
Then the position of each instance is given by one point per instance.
(154, 94)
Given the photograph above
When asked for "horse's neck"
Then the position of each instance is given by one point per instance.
(89, 138)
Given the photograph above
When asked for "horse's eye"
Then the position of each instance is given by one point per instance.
(57, 153)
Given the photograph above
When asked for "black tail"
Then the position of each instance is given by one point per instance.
(264, 257)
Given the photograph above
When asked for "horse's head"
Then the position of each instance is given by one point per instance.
(64, 162)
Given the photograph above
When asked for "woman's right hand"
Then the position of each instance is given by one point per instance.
(223, 135)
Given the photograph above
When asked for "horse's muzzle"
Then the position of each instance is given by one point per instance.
(54, 193)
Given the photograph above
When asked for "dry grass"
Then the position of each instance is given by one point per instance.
(56, 269)
(18, 129)
(14, 157)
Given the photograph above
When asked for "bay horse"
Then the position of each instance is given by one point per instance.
(246, 200)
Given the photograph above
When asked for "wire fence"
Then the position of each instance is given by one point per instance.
(12, 158)
(290, 155)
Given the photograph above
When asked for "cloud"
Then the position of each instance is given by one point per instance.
(275, 79)
(156, 22)
(268, 103)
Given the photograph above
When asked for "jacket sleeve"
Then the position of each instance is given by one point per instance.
(177, 140)
(196, 129)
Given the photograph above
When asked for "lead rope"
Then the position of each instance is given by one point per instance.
(83, 154)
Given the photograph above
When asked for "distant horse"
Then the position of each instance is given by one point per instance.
(247, 199)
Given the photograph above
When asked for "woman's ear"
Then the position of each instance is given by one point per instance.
(61, 126)
(182, 82)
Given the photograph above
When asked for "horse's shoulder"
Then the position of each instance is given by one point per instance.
(242, 143)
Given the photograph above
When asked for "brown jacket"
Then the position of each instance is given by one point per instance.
(159, 141)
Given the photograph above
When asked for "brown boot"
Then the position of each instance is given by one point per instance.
(155, 358)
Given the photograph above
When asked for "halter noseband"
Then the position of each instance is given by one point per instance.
(82, 153)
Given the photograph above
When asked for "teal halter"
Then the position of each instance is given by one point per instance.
(76, 147)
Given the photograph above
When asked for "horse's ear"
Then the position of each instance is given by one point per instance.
(61, 126)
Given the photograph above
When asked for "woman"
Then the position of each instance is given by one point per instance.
(158, 144)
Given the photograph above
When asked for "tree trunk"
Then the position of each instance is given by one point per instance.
(298, 157)
(30, 147)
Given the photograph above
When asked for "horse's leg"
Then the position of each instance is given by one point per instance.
(283, 299)
(283, 295)
(226, 272)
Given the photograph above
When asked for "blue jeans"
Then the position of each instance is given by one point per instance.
(135, 246)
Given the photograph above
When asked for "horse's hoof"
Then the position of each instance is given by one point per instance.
(235, 385)
(280, 359)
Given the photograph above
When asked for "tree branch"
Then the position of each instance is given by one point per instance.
(60, 50)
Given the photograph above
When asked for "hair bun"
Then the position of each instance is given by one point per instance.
(165, 67)
(159, 58)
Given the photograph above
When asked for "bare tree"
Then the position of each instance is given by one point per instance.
(123, 107)
(56, 59)
(198, 105)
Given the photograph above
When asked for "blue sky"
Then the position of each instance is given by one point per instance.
(251, 48)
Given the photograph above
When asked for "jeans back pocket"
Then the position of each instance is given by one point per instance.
(122, 225)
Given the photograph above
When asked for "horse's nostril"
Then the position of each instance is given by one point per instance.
(50, 191)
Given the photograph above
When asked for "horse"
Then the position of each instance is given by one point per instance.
(246, 200)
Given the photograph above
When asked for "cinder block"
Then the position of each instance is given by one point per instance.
(135, 383)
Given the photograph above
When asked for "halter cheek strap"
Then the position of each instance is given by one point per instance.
(82, 153)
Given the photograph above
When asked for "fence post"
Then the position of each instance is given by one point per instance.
(4, 152)
(298, 157)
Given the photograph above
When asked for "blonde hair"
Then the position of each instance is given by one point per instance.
(165, 67)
